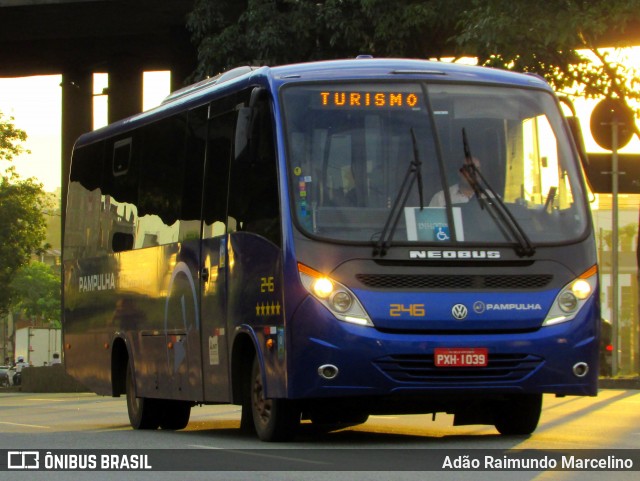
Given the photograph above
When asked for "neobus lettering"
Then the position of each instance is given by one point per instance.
(454, 254)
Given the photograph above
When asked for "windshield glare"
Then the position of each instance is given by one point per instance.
(350, 146)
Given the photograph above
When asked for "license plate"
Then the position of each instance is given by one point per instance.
(461, 357)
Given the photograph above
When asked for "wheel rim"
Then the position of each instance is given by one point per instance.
(132, 400)
(262, 406)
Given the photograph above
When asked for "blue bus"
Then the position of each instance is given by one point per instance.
(326, 241)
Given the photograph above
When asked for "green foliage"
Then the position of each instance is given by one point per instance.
(37, 292)
(10, 139)
(271, 32)
(544, 37)
(541, 37)
(558, 39)
(22, 224)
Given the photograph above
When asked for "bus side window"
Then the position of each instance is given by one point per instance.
(196, 144)
(219, 151)
(161, 181)
(253, 189)
(85, 201)
(120, 173)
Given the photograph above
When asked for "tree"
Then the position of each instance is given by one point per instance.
(22, 224)
(548, 38)
(270, 32)
(561, 40)
(37, 292)
(11, 139)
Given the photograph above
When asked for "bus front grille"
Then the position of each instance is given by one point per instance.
(419, 281)
(421, 369)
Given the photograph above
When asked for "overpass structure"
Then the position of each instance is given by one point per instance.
(77, 38)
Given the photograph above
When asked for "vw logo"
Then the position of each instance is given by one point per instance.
(459, 311)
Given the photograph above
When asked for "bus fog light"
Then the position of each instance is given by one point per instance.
(342, 301)
(328, 371)
(567, 301)
(581, 369)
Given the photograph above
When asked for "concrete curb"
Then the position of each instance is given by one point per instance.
(55, 379)
(46, 379)
(619, 383)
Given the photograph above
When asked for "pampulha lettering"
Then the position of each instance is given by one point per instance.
(97, 282)
(514, 307)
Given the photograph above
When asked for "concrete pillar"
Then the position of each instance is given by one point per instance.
(125, 91)
(77, 118)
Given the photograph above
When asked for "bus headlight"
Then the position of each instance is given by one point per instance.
(322, 287)
(572, 297)
(336, 297)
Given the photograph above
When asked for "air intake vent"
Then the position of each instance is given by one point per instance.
(396, 281)
(421, 369)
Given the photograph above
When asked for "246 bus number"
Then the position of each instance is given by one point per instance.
(413, 310)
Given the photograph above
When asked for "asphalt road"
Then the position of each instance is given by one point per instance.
(387, 445)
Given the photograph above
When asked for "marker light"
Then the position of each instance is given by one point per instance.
(339, 299)
(572, 297)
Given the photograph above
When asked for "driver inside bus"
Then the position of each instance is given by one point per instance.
(460, 192)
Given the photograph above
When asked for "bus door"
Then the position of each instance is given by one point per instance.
(170, 206)
(215, 332)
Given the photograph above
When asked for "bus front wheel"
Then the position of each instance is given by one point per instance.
(274, 419)
(175, 414)
(144, 413)
(519, 415)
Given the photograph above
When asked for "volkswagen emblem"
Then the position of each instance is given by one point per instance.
(459, 311)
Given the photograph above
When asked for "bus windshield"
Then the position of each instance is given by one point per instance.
(489, 157)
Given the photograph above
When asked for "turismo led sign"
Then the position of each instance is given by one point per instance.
(351, 99)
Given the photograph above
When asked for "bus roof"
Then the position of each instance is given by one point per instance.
(352, 69)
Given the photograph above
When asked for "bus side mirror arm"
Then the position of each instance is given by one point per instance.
(576, 133)
(245, 120)
(243, 129)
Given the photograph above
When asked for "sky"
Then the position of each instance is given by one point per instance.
(35, 103)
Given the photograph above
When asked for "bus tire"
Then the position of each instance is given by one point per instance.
(175, 414)
(519, 415)
(274, 419)
(144, 413)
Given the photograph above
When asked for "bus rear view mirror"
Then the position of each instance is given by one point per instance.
(576, 133)
(243, 130)
(246, 120)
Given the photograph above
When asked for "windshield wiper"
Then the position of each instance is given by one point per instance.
(414, 172)
(489, 199)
